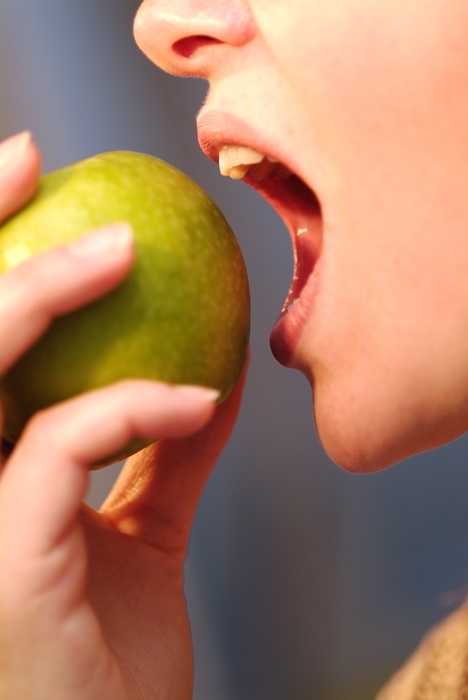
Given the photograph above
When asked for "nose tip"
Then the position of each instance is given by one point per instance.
(179, 35)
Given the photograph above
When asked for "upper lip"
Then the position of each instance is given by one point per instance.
(218, 129)
(292, 201)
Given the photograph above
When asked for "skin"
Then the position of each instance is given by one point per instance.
(367, 102)
(97, 594)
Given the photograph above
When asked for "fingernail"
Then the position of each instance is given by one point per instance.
(12, 148)
(198, 392)
(104, 240)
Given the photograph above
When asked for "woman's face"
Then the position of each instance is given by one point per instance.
(366, 103)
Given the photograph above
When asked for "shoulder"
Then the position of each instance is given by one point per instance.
(438, 670)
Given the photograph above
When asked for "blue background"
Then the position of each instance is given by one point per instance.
(302, 581)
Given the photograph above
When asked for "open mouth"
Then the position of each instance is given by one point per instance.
(300, 210)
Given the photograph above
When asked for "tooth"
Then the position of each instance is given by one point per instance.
(237, 172)
(236, 160)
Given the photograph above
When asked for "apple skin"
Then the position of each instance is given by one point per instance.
(181, 316)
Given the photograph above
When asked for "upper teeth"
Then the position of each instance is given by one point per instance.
(236, 161)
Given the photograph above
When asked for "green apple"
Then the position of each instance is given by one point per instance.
(181, 316)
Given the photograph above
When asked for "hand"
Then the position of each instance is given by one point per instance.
(91, 603)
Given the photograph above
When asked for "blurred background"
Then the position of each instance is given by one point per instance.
(303, 582)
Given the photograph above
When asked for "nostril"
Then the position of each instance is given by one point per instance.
(188, 46)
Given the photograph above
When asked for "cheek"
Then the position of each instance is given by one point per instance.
(343, 52)
(386, 348)
(364, 433)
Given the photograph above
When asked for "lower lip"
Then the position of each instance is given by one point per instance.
(289, 327)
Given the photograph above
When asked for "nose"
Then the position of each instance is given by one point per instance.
(184, 37)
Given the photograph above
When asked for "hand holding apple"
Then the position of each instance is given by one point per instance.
(182, 314)
(92, 603)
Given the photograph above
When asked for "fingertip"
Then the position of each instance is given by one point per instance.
(32, 161)
(116, 237)
(177, 411)
(199, 393)
(20, 169)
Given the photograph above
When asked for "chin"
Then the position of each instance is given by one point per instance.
(352, 448)
(356, 455)
(367, 436)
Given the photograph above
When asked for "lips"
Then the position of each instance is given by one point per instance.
(296, 204)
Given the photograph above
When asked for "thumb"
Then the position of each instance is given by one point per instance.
(158, 490)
